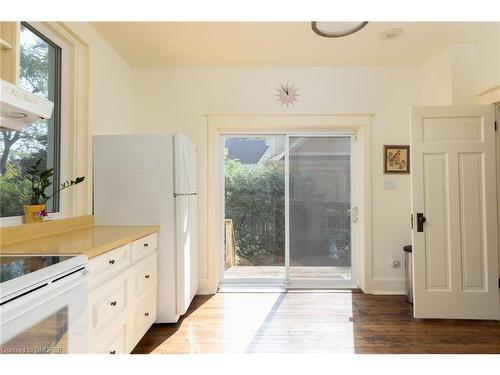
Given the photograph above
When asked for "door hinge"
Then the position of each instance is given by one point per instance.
(496, 126)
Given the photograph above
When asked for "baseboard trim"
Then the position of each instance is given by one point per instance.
(204, 287)
(388, 286)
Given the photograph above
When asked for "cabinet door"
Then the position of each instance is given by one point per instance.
(108, 303)
(144, 315)
(9, 49)
(144, 276)
(143, 247)
(109, 264)
(113, 341)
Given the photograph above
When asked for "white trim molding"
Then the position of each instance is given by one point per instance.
(490, 96)
(272, 123)
(389, 285)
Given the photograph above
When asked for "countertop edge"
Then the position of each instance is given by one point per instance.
(102, 249)
(92, 251)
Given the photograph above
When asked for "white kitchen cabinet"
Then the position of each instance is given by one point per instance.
(109, 264)
(123, 296)
(141, 247)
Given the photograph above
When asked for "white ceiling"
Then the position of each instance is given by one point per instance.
(253, 44)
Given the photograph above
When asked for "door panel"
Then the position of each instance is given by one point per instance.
(471, 167)
(436, 234)
(455, 269)
(319, 192)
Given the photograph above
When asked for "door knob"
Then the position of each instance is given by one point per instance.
(421, 219)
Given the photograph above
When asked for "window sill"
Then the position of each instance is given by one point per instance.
(18, 220)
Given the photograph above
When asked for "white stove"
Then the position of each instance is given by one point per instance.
(43, 302)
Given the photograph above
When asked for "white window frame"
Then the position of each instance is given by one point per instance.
(75, 148)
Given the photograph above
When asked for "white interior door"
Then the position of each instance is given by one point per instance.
(454, 205)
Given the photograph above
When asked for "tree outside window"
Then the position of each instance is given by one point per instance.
(40, 73)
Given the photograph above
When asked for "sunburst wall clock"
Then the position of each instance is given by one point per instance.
(287, 95)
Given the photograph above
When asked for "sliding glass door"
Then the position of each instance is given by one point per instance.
(287, 204)
(319, 206)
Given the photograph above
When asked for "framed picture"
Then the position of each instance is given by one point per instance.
(396, 159)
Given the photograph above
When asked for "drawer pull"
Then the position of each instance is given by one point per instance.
(113, 303)
(146, 244)
(146, 314)
(112, 261)
(112, 352)
(146, 276)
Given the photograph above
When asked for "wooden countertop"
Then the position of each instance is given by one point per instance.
(90, 241)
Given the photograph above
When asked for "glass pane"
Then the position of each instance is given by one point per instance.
(254, 204)
(48, 335)
(39, 60)
(320, 202)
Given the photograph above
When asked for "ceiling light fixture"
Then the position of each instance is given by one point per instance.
(391, 34)
(336, 29)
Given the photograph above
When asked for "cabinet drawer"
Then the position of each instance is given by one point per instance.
(113, 341)
(143, 246)
(145, 275)
(109, 263)
(108, 302)
(145, 314)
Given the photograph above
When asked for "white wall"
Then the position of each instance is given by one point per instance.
(110, 84)
(489, 63)
(174, 100)
(437, 80)
(451, 76)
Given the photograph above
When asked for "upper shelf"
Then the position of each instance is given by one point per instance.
(5, 45)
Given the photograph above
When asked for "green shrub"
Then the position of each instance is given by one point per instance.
(254, 200)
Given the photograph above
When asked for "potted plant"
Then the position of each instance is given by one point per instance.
(40, 181)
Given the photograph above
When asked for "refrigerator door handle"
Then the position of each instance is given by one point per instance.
(183, 194)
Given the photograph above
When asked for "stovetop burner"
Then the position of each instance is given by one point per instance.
(12, 266)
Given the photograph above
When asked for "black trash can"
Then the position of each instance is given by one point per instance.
(408, 273)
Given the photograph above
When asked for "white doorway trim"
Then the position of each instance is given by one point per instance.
(219, 124)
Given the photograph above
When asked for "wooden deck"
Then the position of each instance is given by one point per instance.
(315, 322)
(277, 272)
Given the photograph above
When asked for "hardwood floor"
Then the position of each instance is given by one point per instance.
(315, 322)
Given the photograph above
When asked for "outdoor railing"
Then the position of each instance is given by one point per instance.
(229, 244)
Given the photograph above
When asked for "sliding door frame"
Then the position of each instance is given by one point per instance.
(254, 124)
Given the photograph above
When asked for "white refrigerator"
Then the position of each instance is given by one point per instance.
(147, 180)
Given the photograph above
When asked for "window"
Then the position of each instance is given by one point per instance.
(39, 73)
